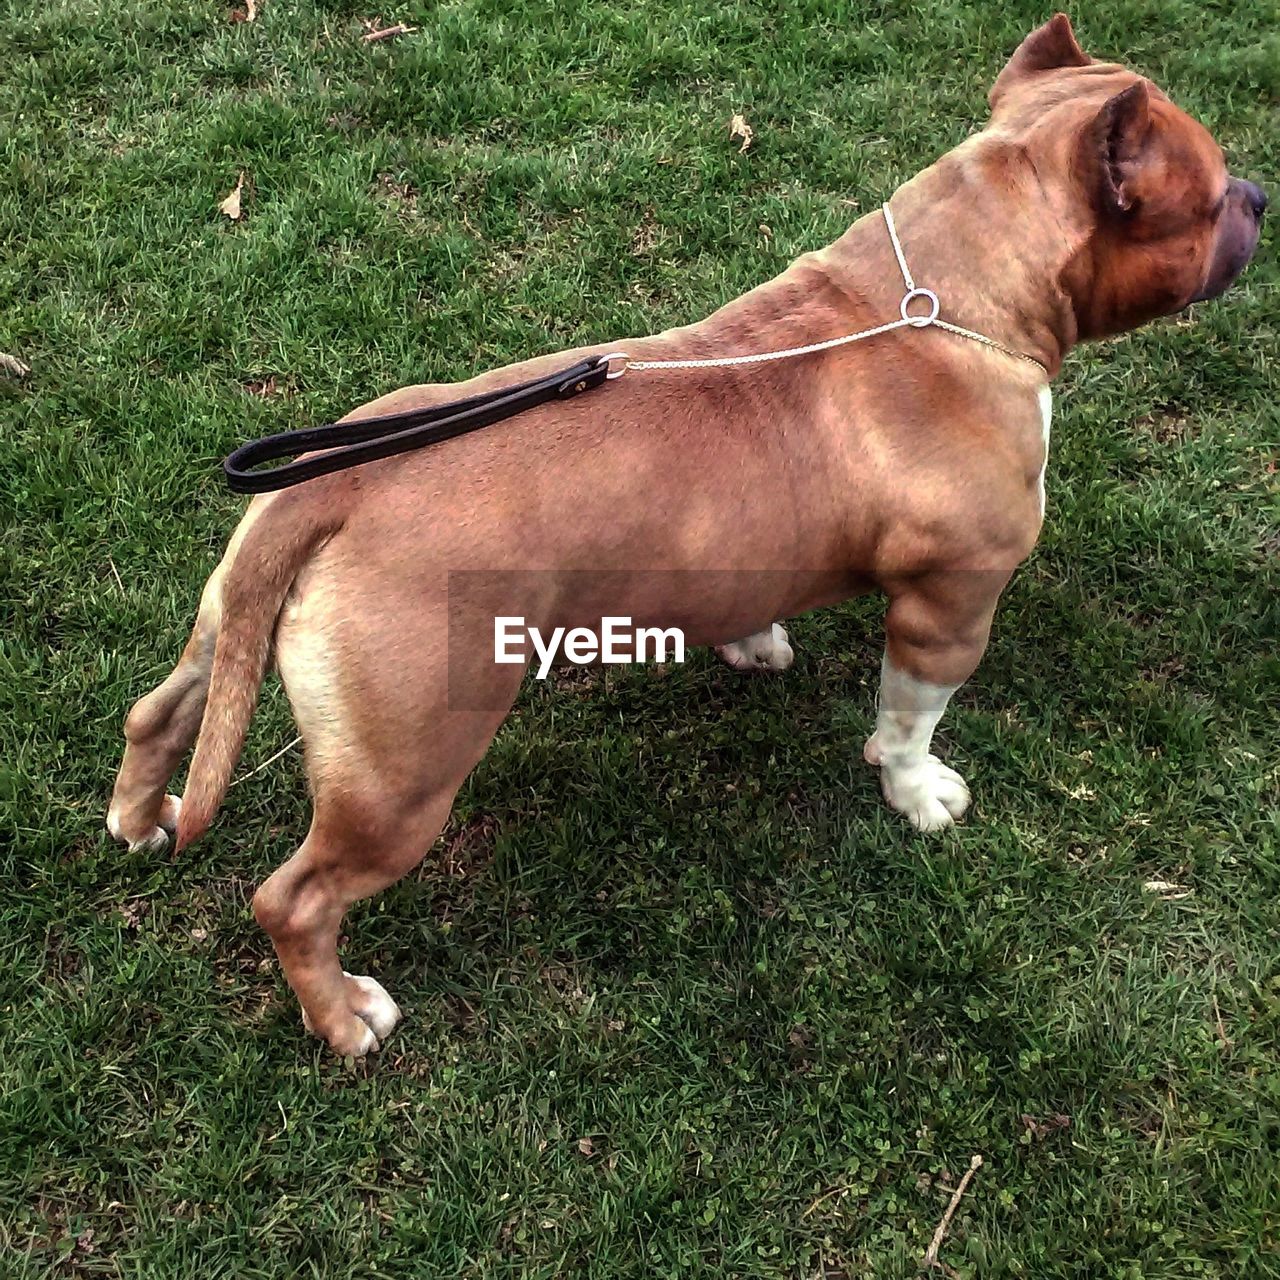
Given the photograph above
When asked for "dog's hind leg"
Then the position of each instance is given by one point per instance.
(357, 845)
(366, 833)
(159, 730)
(385, 755)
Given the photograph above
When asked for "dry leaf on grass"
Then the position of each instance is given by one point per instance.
(1167, 889)
(1039, 1129)
(739, 128)
(248, 14)
(133, 911)
(586, 1147)
(13, 366)
(231, 205)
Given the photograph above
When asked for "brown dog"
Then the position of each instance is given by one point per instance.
(714, 499)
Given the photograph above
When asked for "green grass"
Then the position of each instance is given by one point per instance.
(672, 918)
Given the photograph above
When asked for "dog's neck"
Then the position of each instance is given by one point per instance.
(993, 252)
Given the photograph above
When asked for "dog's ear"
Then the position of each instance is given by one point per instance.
(1047, 48)
(1115, 146)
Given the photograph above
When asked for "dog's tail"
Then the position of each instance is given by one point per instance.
(276, 546)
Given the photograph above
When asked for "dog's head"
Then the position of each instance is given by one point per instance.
(1166, 224)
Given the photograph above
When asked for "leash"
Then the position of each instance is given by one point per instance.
(921, 320)
(353, 443)
(392, 433)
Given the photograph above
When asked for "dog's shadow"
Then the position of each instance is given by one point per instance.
(627, 820)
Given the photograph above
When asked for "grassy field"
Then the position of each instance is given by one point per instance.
(684, 999)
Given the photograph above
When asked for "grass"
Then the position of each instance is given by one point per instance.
(684, 999)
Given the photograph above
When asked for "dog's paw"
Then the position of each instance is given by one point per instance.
(369, 1001)
(926, 791)
(765, 651)
(368, 1019)
(137, 835)
(353, 1038)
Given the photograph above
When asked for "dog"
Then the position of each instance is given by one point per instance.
(716, 499)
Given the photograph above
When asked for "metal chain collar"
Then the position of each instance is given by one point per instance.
(921, 320)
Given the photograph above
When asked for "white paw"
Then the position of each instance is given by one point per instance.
(928, 793)
(765, 651)
(371, 1004)
(353, 1039)
(149, 841)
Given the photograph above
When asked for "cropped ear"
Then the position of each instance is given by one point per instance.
(1115, 145)
(1046, 49)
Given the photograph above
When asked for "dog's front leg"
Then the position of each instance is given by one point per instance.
(936, 630)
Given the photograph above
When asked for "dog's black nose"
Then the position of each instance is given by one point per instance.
(1256, 197)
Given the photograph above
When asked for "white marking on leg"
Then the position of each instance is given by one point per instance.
(765, 651)
(914, 782)
(1046, 412)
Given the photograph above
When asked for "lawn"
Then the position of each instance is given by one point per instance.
(683, 998)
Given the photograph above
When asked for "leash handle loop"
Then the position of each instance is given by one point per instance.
(349, 444)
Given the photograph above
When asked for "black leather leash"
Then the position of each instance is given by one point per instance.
(351, 443)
